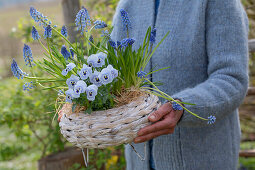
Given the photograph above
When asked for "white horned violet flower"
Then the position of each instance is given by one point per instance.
(68, 68)
(100, 59)
(92, 60)
(91, 92)
(69, 95)
(94, 79)
(71, 82)
(106, 76)
(85, 72)
(114, 72)
(79, 88)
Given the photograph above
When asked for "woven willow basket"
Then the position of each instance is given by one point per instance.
(112, 127)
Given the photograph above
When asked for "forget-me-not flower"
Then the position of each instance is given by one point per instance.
(27, 54)
(35, 34)
(68, 68)
(85, 72)
(71, 82)
(91, 92)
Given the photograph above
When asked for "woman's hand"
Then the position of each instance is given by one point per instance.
(164, 121)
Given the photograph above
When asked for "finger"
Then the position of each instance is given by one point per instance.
(150, 136)
(167, 123)
(158, 114)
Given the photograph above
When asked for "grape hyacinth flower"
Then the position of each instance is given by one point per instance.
(100, 24)
(118, 44)
(82, 19)
(91, 39)
(94, 79)
(28, 86)
(114, 72)
(27, 54)
(68, 68)
(71, 82)
(127, 41)
(69, 95)
(72, 52)
(79, 88)
(92, 60)
(91, 92)
(35, 34)
(47, 32)
(64, 31)
(211, 119)
(176, 106)
(39, 17)
(85, 72)
(105, 34)
(153, 36)
(65, 52)
(112, 43)
(106, 76)
(141, 74)
(17, 72)
(125, 20)
(100, 59)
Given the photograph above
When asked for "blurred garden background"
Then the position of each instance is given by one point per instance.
(28, 131)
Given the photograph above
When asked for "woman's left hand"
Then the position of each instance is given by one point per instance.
(164, 121)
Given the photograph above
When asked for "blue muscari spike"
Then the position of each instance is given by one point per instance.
(112, 43)
(17, 72)
(141, 74)
(176, 106)
(105, 34)
(72, 52)
(91, 39)
(48, 32)
(39, 17)
(127, 41)
(27, 54)
(35, 34)
(125, 20)
(153, 35)
(211, 119)
(64, 31)
(100, 24)
(65, 52)
(82, 19)
(28, 86)
(118, 44)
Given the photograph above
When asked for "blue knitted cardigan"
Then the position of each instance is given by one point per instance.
(208, 54)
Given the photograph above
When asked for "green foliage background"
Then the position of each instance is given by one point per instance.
(28, 130)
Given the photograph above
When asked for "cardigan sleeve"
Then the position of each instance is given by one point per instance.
(227, 52)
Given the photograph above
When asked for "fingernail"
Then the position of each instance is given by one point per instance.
(137, 140)
(152, 117)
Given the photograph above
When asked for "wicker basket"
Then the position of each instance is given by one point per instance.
(112, 127)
